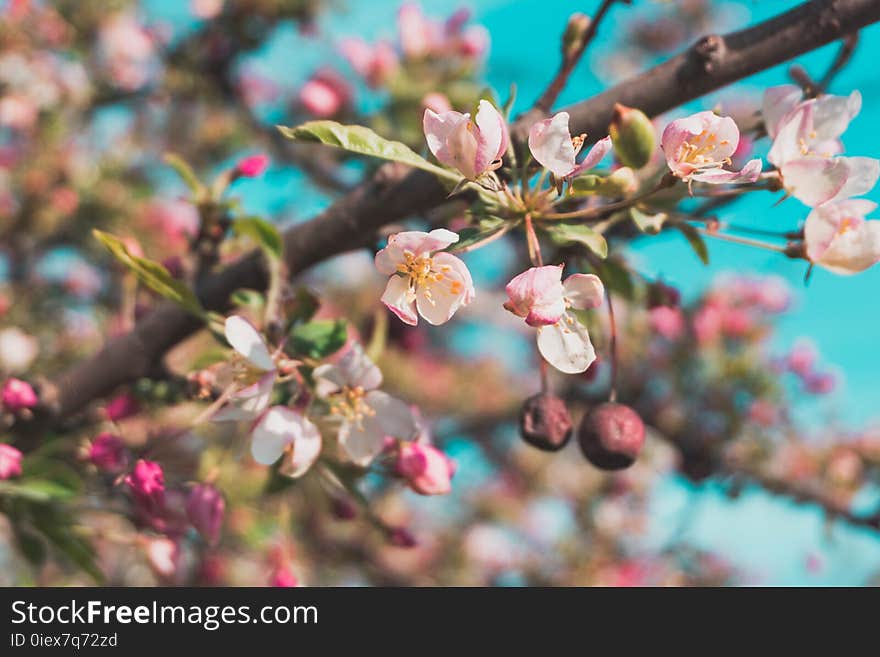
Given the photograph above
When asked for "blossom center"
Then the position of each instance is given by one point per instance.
(424, 275)
(350, 404)
(699, 150)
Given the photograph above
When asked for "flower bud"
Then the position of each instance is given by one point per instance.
(401, 537)
(633, 136)
(343, 509)
(252, 166)
(428, 471)
(620, 182)
(121, 407)
(611, 436)
(283, 577)
(575, 32)
(147, 484)
(544, 422)
(107, 452)
(18, 395)
(205, 508)
(10, 462)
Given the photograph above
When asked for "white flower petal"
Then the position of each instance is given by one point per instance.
(584, 291)
(271, 435)
(362, 442)
(395, 417)
(248, 402)
(566, 345)
(550, 144)
(398, 299)
(306, 450)
(247, 341)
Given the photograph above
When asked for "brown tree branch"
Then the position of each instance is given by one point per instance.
(396, 193)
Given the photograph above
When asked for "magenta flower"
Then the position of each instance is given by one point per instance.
(10, 462)
(699, 146)
(424, 278)
(107, 452)
(205, 508)
(147, 485)
(472, 146)
(17, 395)
(552, 145)
(252, 166)
(428, 471)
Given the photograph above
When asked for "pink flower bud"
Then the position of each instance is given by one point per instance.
(401, 537)
(252, 166)
(205, 508)
(342, 508)
(537, 295)
(473, 146)
(324, 95)
(18, 395)
(283, 577)
(107, 452)
(147, 484)
(428, 471)
(121, 407)
(10, 462)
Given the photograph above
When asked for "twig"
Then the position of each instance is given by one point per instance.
(571, 59)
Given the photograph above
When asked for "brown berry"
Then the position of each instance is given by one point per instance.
(611, 436)
(544, 422)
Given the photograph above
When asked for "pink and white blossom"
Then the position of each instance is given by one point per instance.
(281, 431)
(563, 340)
(10, 462)
(325, 94)
(552, 145)
(806, 146)
(425, 280)
(427, 470)
(366, 416)
(17, 395)
(375, 64)
(258, 375)
(698, 147)
(839, 238)
(472, 146)
(17, 349)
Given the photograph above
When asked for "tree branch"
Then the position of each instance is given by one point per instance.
(396, 193)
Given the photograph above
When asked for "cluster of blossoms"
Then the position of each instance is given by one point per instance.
(451, 45)
(807, 151)
(366, 421)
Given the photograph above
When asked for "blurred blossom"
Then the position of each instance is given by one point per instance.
(206, 9)
(668, 322)
(121, 407)
(107, 452)
(426, 469)
(17, 350)
(127, 51)
(325, 94)
(17, 395)
(10, 462)
(163, 555)
(205, 508)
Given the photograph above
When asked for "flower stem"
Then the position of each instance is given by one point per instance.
(612, 396)
(532, 241)
(745, 241)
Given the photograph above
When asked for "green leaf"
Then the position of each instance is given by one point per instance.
(358, 139)
(319, 338)
(184, 170)
(579, 234)
(648, 223)
(247, 298)
(36, 490)
(262, 232)
(152, 274)
(695, 240)
(54, 523)
(617, 277)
